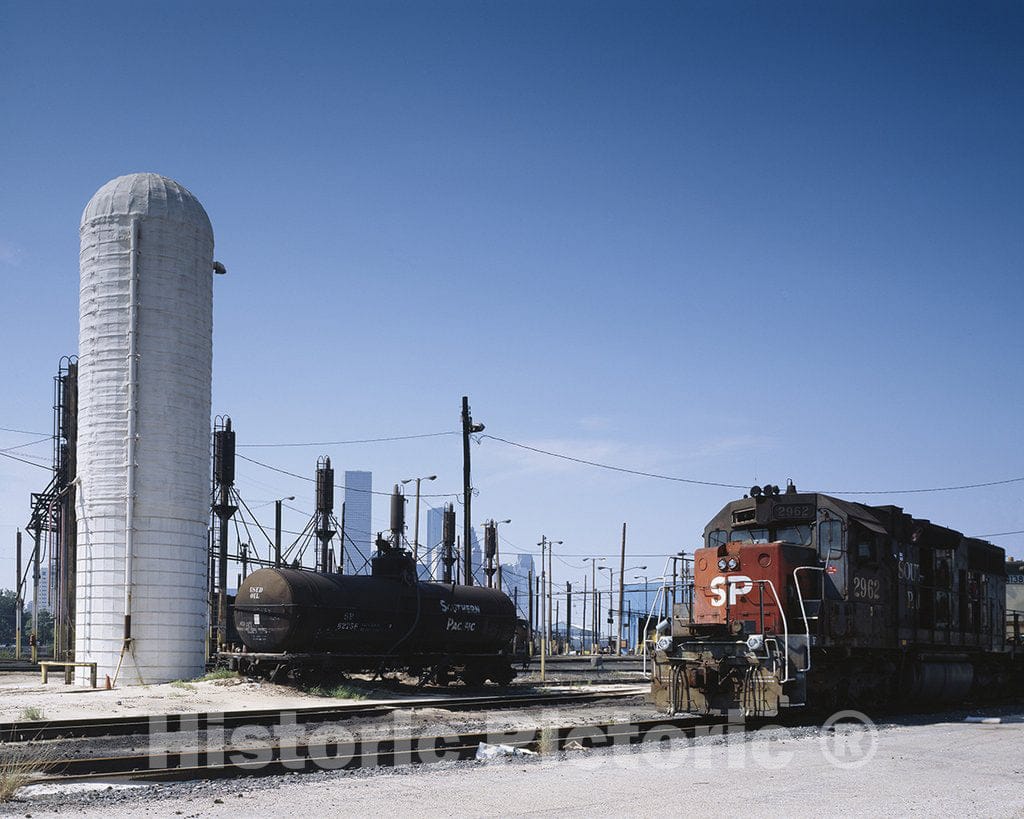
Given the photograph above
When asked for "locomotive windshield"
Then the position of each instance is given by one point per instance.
(799, 535)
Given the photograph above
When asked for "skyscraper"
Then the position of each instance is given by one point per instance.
(433, 553)
(358, 517)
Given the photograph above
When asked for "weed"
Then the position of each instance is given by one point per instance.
(19, 767)
(32, 714)
(220, 674)
(183, 684)
(338, 692)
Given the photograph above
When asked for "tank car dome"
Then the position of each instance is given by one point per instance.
(146, 194)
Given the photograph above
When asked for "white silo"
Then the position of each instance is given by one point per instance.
(144, 376)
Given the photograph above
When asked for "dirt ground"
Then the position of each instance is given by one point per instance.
(939, 766)
(23, 697)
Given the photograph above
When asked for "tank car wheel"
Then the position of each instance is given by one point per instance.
(443, 676)
(502, 674)
(308, 677)
(474, 676)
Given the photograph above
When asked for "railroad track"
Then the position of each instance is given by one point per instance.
(267, 760)
(133, 725)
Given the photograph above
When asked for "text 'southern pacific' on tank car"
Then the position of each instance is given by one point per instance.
(309, 625)
(805, 599)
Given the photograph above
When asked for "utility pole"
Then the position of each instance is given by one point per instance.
(543, 587)
(622, 587)
(468, 427)
(529, 619)
(568, 616)
(19, 600)
(594, 604)
(583, 630)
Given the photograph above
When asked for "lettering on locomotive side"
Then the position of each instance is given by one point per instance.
(909, 571)
(737, 584)
(459, 608)
(460, 625)
(867, 588)
(255, 592)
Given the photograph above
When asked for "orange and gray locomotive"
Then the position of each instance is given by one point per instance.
(807, 599)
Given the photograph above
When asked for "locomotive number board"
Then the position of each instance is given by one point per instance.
(793, 511)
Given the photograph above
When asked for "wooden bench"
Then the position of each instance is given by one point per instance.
(69, 667)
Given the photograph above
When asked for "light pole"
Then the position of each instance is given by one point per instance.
(277, 530)
(416, 519)
(593, 590)
(614, 641)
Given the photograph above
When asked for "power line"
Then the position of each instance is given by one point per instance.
(355, 441)
(614, 468)
(1001, 534)
(25, 432)
(695, 481)
(337, 485)
(22, 460)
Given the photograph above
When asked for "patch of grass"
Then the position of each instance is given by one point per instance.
(183, 684)
(219, 674)
(20, 767)
(32, 714)
(338, 692)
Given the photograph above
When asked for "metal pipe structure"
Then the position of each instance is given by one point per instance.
(133, 420)
(277, 529)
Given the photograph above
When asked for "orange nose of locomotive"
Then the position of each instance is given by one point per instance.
(740, 585)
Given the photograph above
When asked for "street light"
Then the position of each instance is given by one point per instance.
(416, 525)
(277, 529)
(593, 589)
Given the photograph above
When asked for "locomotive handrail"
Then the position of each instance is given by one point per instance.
(803, 611)
(785, 629)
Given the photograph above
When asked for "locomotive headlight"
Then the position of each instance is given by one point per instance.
(722, 564)
(733, 564)
(755, 642)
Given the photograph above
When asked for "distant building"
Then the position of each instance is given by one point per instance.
(45, 591)
(358, 517)
(432, 563)
(515, 582)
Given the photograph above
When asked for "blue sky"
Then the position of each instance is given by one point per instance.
(731, 242)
